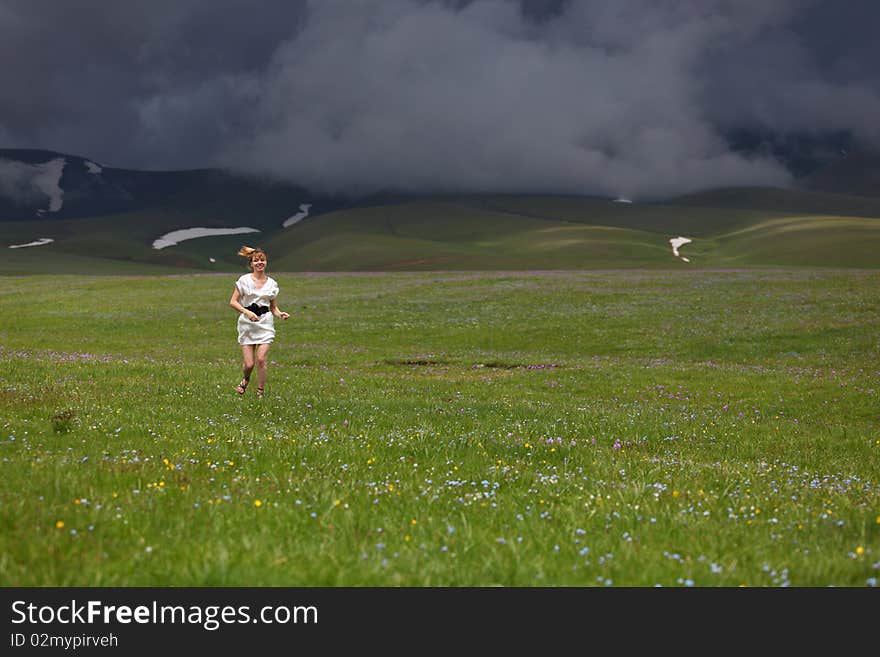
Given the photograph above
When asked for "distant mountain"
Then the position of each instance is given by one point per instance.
(36, 184)
(61, 213)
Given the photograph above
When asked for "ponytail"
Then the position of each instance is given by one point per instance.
(250, 254)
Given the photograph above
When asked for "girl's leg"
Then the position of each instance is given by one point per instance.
(247, 366)
(262, 355)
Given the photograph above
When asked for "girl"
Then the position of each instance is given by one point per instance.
(254, 299)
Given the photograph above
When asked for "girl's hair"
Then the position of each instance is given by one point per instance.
(248, 252)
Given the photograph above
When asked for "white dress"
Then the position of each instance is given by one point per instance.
(263, 330)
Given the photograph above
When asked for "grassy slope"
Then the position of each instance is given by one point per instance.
(440, 235)
(806, 241)
(570, 233)
(741, 228)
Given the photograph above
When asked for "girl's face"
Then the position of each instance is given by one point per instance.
(258, 262)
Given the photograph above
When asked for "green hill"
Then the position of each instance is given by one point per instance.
(735, 227)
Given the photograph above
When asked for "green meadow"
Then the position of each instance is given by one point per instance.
(619, 427)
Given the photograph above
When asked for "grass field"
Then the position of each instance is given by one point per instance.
(602, 428)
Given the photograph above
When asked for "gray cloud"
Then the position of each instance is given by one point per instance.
(483, 99)
(629, 97)
(18, 183)
(156, 84)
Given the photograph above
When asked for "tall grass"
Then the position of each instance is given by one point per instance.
(625, 428)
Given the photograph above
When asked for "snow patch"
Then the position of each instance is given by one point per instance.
(39, 242)
(299, 216)
(92, 167)
(177, 236)
(676, 242)
(622, 199)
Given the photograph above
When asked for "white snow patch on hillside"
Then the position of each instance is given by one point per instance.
(676, 242)
(92, 167)
(39, 242)
(177, 236)
(299, 216)
(622, 199)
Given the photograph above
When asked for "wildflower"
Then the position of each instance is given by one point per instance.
(258, 503)
(59, 524)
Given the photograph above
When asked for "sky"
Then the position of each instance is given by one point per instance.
(634, 98)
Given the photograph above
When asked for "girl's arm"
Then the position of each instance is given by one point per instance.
(235, 302)
(278, 313)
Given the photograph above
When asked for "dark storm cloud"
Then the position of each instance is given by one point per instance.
(631, 97)
(812, 70)
(156, 84)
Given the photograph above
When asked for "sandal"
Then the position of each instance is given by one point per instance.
(242, 387)
(259, 392)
